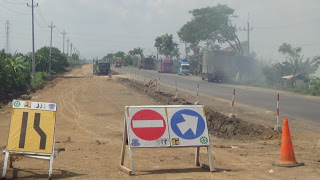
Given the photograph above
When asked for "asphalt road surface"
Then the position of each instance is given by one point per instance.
(294, 105)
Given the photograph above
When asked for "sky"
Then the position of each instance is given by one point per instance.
(99, 27)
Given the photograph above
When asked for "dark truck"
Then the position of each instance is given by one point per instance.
(101, 67)
(146, 63)
(218, 66)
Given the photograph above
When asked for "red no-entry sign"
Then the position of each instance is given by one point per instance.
(148, 125)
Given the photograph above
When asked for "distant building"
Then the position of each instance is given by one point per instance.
(244, 46)
(298, 81)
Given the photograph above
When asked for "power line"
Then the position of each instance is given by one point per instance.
(18, 3)
(14, 2)
(39, 12)
(13, 10)
(289, 25)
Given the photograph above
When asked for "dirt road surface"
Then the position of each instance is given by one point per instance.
(90, 124)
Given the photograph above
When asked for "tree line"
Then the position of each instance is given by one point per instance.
(211, 27)
(15, 70)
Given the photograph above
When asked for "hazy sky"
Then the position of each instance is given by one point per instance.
(98, 27)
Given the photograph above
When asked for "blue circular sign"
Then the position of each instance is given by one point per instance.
(187, 124)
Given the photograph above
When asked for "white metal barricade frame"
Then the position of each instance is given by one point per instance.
(131, 170)
(43, 156)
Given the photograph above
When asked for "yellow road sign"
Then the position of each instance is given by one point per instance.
(31, 130)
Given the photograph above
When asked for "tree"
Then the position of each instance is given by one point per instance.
(59, 61)
(119, 55)
(211, 25)
(137, 51)
(295, 62)
(166, 46)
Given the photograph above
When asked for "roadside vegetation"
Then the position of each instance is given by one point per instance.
(212, 27)
(16, 73)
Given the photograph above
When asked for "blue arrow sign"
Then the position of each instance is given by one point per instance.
(187, 124)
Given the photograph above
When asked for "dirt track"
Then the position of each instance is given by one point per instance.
(89, 127)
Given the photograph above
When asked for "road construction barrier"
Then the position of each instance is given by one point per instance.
(287, 157)
(176, 96)
(197, 102)
(232, 115)
(32, 132)
(165, 126)
(277, 127)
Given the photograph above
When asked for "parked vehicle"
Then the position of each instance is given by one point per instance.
(184, 67)
(100, 67)
(146, 63)
(165, 65)
(118, 64)
(218, 65)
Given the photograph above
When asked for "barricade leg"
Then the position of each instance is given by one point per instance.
(131, 160)
(50, 166)
(209, 166)
(5, 164)
(212, 168)
(196, 156)
(123, 151)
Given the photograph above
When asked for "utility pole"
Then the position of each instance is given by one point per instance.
(51, 27)
(33, 55)
(68, 47)
(63, 37)
(71, 51)
(7, 43)
(248, 29)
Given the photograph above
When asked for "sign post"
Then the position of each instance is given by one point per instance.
(165, 126)
(32, 132)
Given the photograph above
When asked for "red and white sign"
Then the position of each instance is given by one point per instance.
(148, 125)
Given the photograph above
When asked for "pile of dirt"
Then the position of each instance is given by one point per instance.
(218, 124)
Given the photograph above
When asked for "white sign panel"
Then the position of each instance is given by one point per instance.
(34, 105)
(188, 126)
(147, 127)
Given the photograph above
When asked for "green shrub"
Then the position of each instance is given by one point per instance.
(39, 80)
(74, 63)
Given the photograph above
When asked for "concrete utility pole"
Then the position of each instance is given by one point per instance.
(63, 37)
(33, 55)
(71, 51)
(51, 27)
(248, 29)
(7, 43)
(68, 47)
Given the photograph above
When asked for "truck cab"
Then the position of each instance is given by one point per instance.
(118, 64)
(184, 67)
(104, 68)
(165, 65)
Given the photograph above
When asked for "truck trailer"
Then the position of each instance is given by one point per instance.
(147, 63)
(218, 66)
(184, 67)
(101, 67)
(165, 65)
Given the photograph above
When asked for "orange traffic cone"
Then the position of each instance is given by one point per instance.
(287, 157)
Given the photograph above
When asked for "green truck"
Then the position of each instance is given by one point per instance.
(101, 67)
